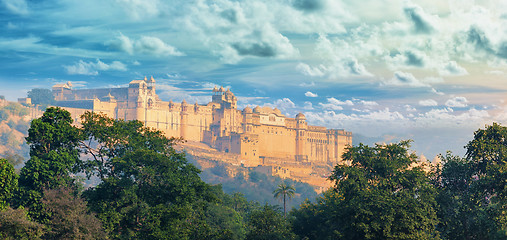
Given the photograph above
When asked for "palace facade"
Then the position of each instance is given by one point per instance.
(259, 136)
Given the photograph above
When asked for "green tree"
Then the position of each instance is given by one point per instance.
(473, 190)
(8, 183)
(284, 191)
(54, 157)
(382, 196)
(464, 211)
(69, 216)
(148, 190)
(41, 96)
(267, 223)
(16, 224)
(317, 220)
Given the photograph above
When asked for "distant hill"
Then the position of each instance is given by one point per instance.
(256, 186)
(14, 123)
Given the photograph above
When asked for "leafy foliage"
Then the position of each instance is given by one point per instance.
(284, 191)
(268, 223)
(69, 216)
(472, 190)
(53, 157)
(148, 190)
(257, 186)
(41, 96)
(378, 196)
(8, 182)
(15, 224)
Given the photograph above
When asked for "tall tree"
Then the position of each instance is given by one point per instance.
(465, 211)
(284, 191)
(16, 224)
(383, 196)
(41, 96)
(148, 190)
(267, 223)
(54, 156)
(70, 218)
(8, 183)
(487, 162)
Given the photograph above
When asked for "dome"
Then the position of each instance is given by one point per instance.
(257, 109)
(221, 89)
(300, 116)
(247, 110)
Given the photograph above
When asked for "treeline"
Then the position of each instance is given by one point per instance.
(150, 191)
(147, 189)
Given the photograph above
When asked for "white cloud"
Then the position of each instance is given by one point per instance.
(405, 79)
(311, 84)
(452, 69)
(139, 9)
(339, 102)
(433, 90)
(310, 94)
(428, 103)
(308, 106)
(330, 106)
(310, 71)
(409, 58)
(144, 45)
(459, 102)
(335, 104)
(16, 6)
(285, 105)
(369, 103)
(409, 108)
(93, 68)
(422, 22)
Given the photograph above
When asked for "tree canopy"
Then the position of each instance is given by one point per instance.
(380, 195)
(41, 96)
(54, 156)
(148, 190)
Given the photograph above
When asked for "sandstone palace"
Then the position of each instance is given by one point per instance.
(259, 136)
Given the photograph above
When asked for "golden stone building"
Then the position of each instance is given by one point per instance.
(259, 136)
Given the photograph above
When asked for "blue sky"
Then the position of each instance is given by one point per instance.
(429, 70)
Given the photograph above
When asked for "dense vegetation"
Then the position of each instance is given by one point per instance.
(256, 186)
(147, 190)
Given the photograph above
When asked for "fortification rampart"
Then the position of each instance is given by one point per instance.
(249, 137)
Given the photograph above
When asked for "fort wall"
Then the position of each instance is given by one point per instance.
(259, 136)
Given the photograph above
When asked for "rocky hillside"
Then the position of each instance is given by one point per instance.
(14, 123)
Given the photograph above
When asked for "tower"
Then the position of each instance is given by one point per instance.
(225, 97)
(301, 137)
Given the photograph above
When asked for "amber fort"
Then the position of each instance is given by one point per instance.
(261, 137)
